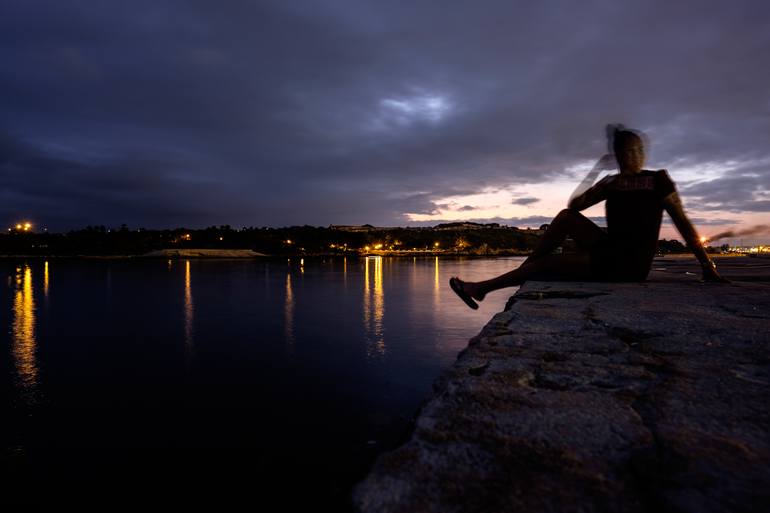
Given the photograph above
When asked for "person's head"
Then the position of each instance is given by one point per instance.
(628, 147)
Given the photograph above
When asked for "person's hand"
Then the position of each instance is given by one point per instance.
(710, 275)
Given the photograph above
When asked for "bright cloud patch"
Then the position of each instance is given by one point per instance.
(505, 203)
(407, 110)
(529, 200)
(701, 172)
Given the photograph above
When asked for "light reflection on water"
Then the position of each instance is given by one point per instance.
(23, 332)
(45, 279)
(374, 308)
(436, 285)
(189, 310)
(288, 313)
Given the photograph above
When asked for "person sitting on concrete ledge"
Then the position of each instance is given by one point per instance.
(635, 200)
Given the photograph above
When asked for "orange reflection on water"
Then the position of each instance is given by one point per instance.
(436, 286)
(436, 283)
(23, 330)
(189, 310)
(374, 308)
(45, 279)
(288, 312)
(367, 299)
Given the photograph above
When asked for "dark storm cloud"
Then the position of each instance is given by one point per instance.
(761, 229)
(741, 193)
(277, 113)
(706, 221)
(524, 201)
(140, 189)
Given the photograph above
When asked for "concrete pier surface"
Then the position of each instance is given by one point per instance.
(588, 397)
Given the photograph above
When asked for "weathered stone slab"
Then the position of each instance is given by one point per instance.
(597, 397)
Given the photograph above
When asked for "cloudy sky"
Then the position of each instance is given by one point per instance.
(274, 113)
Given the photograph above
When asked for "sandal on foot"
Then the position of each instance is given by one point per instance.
(458, 289)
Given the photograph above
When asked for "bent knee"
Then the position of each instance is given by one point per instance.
(569, 213)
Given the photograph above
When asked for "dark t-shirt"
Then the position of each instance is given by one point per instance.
(634, 211)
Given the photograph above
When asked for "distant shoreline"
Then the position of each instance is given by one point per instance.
(163, 253)
(218, 254)
(249, 254)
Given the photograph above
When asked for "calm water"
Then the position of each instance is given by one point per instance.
(241, 379)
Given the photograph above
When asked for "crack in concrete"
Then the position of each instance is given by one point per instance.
(557, 294)
(647, 464)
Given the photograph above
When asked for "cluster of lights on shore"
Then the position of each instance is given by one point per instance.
(21, 227)
(378, 247)
(374, 247)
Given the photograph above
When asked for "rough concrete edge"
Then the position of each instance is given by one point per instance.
(442, 382)
(650, 454)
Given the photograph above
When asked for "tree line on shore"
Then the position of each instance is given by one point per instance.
(293, 240)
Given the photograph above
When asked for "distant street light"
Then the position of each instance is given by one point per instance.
(22, 227)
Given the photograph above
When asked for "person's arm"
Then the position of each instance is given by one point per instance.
(580, 198)
(673, 205)
(593, 195)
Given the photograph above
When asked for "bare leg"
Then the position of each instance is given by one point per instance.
(541, 264)
(564, 267)
(568, 223)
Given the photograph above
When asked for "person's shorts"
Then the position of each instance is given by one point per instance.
(612, 261)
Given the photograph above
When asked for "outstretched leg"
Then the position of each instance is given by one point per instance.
(548, 267)
(568, 223)
(541, 264)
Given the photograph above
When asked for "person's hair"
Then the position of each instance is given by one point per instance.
(621, 137)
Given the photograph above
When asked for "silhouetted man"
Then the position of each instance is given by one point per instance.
(635, 200)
